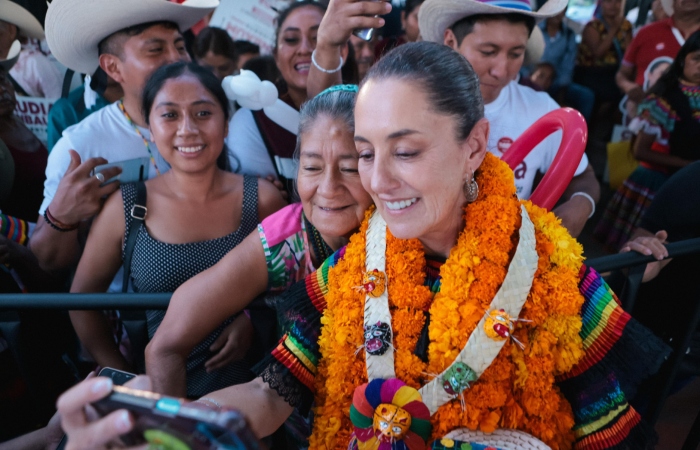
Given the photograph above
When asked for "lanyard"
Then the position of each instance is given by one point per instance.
(136, 129)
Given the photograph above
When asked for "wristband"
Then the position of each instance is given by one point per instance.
(211, 401)
(590, 199)
(56, 225)
(313, 60)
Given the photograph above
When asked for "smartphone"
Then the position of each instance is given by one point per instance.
(365, 33)
(136, 169)
(171, 423)
(119, 377)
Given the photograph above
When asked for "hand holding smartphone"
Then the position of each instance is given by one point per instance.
(175, 424)
(133, 170)
(366, 33)
(119, 377)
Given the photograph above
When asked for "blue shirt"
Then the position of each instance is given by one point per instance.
(560, 51)
(69, 111)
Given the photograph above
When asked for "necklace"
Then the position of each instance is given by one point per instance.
(517, 389)
(321, 249)
(136, 129)
(483, 344)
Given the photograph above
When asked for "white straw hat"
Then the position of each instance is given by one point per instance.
(435, 16)
(501, 438)
(12, 56)
(25, 21)
(74, 28)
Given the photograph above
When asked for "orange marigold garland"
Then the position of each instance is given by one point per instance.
(517, 390)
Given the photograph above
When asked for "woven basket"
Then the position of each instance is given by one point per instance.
(502, 438)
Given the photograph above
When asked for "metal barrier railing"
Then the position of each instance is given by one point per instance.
(116, 300)
(160, 301)
(634, 262)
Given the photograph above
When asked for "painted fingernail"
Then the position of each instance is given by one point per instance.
(123, 421)
(103, 385)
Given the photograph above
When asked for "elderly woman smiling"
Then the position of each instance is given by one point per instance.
(450, 314)
(288, 245)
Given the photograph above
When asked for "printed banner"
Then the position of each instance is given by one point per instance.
(249, 20)
(34, 112)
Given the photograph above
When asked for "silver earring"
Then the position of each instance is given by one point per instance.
(471, 190)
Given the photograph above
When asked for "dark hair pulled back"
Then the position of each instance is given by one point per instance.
(207, 79)
(449, 81)
(215, 40)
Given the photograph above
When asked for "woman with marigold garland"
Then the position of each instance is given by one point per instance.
(457, 316)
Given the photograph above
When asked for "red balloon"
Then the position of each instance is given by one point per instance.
(573, 144)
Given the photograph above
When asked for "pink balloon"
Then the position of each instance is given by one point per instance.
(573, 144)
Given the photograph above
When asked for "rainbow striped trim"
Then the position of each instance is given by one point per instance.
(603, 321)
(15, 229)
(623, 419)
(300, 362)
(317, 282)
(523, 5)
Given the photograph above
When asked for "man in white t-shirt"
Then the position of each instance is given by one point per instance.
(493, 39)
(129, 40)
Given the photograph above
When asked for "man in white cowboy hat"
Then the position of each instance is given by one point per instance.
(33, 74)
(129, 40)
(492, 35)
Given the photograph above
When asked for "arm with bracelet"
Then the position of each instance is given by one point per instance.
(72, 196)
(341, 18)
(581, 196)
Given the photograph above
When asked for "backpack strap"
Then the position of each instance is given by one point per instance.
(67, 80)
(18, 89)
(138, 216)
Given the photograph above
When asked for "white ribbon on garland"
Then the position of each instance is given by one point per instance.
(480, 350)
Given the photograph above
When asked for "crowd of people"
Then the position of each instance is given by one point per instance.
(378, 253)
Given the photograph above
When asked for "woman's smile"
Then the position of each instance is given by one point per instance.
(190, 148)
(399, 205)
(303, 67)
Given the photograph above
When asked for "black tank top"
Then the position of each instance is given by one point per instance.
(161, 267)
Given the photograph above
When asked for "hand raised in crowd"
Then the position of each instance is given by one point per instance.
(341, 18)
(84, 427)
(233, 343)
(344, 16)
(79, 195)
(648, 244)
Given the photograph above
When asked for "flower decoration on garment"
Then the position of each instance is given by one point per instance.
(499, 326)
(389, 415)
(457, 378)
(373, 283)
(377, 338)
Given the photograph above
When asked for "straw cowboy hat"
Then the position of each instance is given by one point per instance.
(74, 28)
(25, 21)
(12, 56)
(435, 16)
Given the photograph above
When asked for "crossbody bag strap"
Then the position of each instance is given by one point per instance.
(138, 216)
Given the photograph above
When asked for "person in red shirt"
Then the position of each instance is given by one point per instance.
(653, 45)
